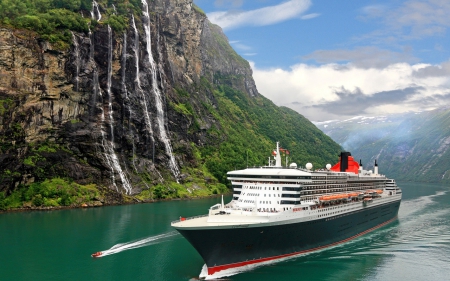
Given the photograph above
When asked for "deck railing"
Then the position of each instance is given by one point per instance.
(188, 218)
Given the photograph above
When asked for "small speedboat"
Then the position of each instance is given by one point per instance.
(97, 254)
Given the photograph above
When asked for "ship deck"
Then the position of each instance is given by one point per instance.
(240, 219)
(223, 221)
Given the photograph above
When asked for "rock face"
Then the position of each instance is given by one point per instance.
(101, 111)
(166, 100)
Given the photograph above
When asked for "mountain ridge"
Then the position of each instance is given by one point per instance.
(162, 108)
(413, 146)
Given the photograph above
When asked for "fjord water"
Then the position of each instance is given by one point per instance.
(141, 245)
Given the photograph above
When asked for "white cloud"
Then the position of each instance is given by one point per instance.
(240, 46)
(364, 56)
(414, 19)
(310, 16)
(336, 91)
(260, 17)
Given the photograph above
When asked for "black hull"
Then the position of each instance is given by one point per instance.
(234, 247)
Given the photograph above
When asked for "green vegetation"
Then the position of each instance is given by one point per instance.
(248, 128)
(223, 44)
(182, 108)
(174, 190)
(5, 104)
(49, 193)
(53, 20)
(198, 9)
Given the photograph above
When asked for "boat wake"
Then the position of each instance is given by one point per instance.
(138, 243)
(417, 205)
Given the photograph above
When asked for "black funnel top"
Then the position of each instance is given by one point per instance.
(344, 160)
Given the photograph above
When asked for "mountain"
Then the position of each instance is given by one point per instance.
(113, 101)
(408, 147)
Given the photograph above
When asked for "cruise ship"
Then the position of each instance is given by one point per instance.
(281, 212)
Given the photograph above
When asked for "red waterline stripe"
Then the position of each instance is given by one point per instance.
(214, 269)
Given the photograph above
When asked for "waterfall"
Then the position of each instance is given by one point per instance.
(148, 123)
(97, 93)
(124, 64)
(160, 67)
(104, 143)
(158, 102)
(95, 16)
(127, 98)
(91, 61)
(107, 146)
(108, 85)
(110, 145)
(77, 60)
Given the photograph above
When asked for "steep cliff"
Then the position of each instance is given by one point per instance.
(165, 106)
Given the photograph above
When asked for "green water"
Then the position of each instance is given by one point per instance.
(57, 245)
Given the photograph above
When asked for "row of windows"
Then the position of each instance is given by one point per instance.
(270, 177)
(260, 202)
(290, 202)
(256, 194)
(287, 188)
(290, 195)
(261, 188)
(265, 182)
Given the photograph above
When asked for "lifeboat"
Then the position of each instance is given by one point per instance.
(96, 255)
(334, 197)
(367, 201)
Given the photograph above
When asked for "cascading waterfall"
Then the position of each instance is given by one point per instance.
(97, 93)
(110, 154)
(138, 82)
(107, 146)
(160, 67)
(91, 61)
(124, 63)
(158, 102)
(95, 13)
(127, 98)
(77, 60)
(108, 85)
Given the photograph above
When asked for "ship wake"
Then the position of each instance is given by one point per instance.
(138, 243)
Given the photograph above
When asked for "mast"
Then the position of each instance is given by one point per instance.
(278, 157)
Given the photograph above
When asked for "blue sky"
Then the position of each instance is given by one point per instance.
(332, 59)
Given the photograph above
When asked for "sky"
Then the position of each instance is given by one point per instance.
(330, 59)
